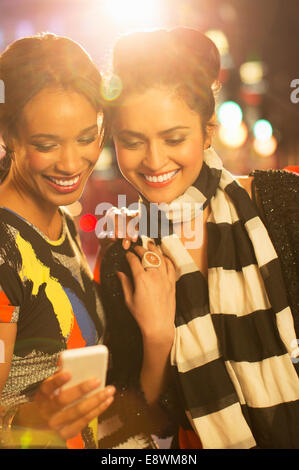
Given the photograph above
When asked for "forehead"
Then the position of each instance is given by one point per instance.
(156, 108)
(54, 111)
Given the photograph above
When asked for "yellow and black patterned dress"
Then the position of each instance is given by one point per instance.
(46, 287)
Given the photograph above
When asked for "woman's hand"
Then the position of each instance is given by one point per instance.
(152, 298)
(57, 410)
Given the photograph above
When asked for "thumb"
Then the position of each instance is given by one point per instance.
(127, 288)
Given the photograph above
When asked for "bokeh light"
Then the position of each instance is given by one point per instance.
(230, 114)
(262, 130)
(265, 148)
(251, 72)
(105, 160)
(88, 222)
(233, 137)
(220, 39)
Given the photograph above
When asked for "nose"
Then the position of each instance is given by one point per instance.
(155, 158)
(69, 160)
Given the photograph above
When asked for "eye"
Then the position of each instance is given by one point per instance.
(45, 148)
(86, 141)
(131, 145)
(175, 141)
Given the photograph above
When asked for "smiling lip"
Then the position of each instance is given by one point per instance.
(163, 183)
(64, 188)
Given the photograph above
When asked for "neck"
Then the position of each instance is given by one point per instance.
(40, 213)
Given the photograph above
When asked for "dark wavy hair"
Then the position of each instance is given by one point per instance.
(33, 63)
(184, 59)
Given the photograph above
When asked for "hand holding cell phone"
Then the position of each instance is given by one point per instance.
(74, 396)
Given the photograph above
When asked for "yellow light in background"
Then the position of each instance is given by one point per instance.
(219, 38)
(140, 12)
(233, 137)
(105, 160)
(251, 72)
(265, 148)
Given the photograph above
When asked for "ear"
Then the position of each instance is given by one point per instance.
(210, 132)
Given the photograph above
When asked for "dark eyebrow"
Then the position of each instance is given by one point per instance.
(167, 131)
(56, 137)
(131, 134)
(141, 136)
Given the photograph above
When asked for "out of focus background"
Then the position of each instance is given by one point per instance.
(257, 108)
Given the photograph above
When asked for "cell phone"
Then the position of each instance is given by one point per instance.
(84, 364)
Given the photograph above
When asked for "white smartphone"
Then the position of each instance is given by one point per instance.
(84, 364)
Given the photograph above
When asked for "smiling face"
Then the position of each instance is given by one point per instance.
(159, 144)
(57, 147)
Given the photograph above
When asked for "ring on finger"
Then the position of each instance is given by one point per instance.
(150, 259)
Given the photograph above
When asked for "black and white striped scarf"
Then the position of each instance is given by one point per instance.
(235, 336)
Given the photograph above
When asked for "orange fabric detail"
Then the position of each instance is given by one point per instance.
(75, 442)
(189, 440)
(75, 339)
(96, 271)
(6, 310)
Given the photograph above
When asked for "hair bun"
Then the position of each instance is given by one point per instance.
(200, 47)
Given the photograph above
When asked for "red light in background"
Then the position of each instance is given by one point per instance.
(88, 222)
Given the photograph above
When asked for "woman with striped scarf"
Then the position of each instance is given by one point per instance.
(228, 356)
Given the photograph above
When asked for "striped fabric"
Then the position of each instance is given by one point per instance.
(234, 334)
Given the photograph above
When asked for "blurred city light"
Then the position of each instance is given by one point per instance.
(233, 137)
(219, 38)
(88, 222)
(230, 114)
(251, 72)
(265, 148)
(105, 160)
(262, 130)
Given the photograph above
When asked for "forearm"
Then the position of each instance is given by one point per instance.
(155, 368)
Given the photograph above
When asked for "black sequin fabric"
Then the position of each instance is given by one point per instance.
(277, 198)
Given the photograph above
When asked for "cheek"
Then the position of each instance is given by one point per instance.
(127, 161)
(92, 152)
(35, 161)
(192, 155)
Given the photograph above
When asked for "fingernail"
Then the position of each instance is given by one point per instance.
(126, 244)
(110, 390)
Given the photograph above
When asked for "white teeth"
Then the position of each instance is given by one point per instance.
(65, 182)
(160, 178)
